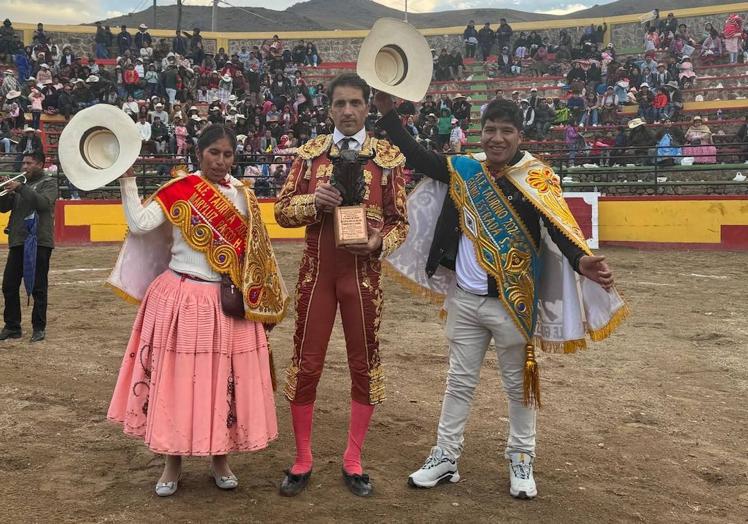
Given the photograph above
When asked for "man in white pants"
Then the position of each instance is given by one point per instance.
(489, 233)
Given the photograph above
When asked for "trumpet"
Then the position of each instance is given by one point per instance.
(22, 176)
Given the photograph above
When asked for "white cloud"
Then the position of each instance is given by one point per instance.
(564, 9)
(68, 12)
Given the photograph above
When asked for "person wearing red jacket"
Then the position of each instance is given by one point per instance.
(131, 79)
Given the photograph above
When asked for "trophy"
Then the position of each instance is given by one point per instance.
(350, 216)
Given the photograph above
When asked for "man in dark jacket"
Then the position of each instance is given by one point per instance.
(30, 228)
(179, 44)
(124, 40)
(143, 38)
(100, 40)
(486, 37)
(504, 34)
(470, 36)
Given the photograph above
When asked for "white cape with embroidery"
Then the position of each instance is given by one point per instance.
(570, 307)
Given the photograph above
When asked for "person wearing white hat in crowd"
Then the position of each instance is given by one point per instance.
(13, 109)
(158, 111)
(225, 86)
(10, 83)
(43, 74)
(143, 40)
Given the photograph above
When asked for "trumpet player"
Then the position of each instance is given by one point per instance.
(31, 201)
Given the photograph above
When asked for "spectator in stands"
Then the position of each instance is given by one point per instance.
(563, 115)
(620, 143)
(572, 141)
(504, 34)
(130, 80)
(591, 116)
(528, 117)
(661, 77)
(65, 102)
(143, 40)
(660, 103)
(7, 40)
(197, 52)
(732, 31)
(505, 62)
(444, 126)
(124, 40)
(29, 142)
(486, 37)
(645, 99)
(544, 116)
(669, 141)
(470, 37)
(6, 136)
(443, 66)
(576, 106)
(711, 49)
(9, 83)
(144, 128)
(36, 98)
(179, 44)
(609, 105)
(457, 137)
(100, 42)
(311, 55)
(639, 141)
(700, 143)
(686, 76)
(456, 66)
(461, 108)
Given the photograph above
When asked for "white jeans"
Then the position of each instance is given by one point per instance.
(471, 323)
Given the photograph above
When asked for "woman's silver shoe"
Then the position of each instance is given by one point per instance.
(167, 489)
(230, 482)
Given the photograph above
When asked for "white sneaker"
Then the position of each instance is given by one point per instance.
(438, 468)
(522, 483)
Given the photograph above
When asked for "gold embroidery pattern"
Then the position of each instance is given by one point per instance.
(324, 172)
(376, 385)
(548, 199)
(264, 290)
(300, 208)
(221, 257)
(374, 211)
(388, 155)
(315, 147)
(367, 180)
(289, 390)
(396, 236)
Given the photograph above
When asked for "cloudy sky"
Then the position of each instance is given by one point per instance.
(78, 11)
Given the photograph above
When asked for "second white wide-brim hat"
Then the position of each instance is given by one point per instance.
(396, 58)
(97, 146)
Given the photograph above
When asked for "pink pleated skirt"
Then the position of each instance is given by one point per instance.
(194, 381)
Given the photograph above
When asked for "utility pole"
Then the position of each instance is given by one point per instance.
(214, 16)
(154, 15)
(406, 11)
(179, 16)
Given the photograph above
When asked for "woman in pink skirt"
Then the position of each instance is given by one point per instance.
(196, 378)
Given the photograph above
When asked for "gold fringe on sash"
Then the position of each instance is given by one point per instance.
(124, 296)
(391, 272)
(604, 332)
(531, 383)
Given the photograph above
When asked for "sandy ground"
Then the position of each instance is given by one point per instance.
(649, 426)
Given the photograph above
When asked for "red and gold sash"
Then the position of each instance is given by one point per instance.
(209, 223)
(234, 245)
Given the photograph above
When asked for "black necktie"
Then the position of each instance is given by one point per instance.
(346, 143)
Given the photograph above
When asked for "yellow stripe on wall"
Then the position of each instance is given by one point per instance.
(669, 221)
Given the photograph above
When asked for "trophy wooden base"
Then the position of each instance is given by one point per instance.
(350, 226)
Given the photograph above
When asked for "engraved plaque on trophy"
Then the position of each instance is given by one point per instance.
(350, 216)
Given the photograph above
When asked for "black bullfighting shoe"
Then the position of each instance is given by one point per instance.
(359, 485)
(293, 484)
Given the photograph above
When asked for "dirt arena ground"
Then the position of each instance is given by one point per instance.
(649, 426)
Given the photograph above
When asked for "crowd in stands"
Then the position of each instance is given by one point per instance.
(173, 88)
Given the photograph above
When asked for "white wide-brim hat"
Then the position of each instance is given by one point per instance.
(396, 58)
(97, 146)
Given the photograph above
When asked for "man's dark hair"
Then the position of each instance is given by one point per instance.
(37, 156)
(502, 111)
(349, 80)
(215, 132)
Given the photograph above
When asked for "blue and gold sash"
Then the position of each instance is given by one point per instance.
(504, 249)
